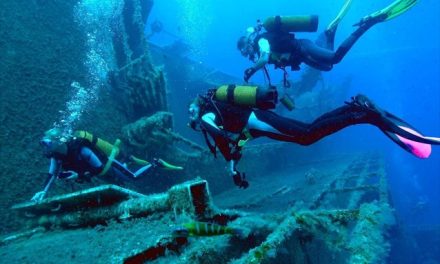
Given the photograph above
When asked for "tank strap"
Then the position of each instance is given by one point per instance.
(266, 74)
(212, 148)
(286, 83)
(277, 23)
(230, 93)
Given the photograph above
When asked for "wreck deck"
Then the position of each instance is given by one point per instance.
(99, 196)
(342, 182)
(301, 215)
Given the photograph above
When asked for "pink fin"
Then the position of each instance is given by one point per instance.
(420, 150)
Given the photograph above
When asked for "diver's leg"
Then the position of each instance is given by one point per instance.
(265, 123)
(327, 38)
(268, 124)
(395, 9)
(92, 160)
(350, 41)
(124, 173)
(316, 56)
(324, 59)
(360, 111)
(143, 169)
(121, 171)
(312, 53)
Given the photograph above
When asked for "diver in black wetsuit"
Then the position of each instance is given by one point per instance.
(82, 156)
(282, 49)
(230, 126)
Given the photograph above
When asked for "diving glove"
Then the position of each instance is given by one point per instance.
(248, 73)
(38, 196)
(364, 102)
(68, 175)
(240, 181)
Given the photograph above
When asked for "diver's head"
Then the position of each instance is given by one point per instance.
(195, 110)
(245, 44)
(194, 115)
(53, 140)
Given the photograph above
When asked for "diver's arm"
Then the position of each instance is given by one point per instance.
(227, 144)
(264, 47)
(226, 141)
(54, 168)
(208, 122)
(239, 178)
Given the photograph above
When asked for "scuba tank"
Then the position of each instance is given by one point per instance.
(248, 96)
(307, 23)
(100, 144)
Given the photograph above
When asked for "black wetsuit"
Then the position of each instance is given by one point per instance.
(232, 120)
(264, 123)
(295, 131)
(321, 57)
(228, 124)
(85, 159)
(75, 159)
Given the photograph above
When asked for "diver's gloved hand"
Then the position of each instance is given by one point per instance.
(361, 100)
(240, 180)
(68, 175)
(38, 196)
(248, 73)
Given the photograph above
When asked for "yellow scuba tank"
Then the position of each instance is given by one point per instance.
(249, 96)
(100, 144)
(307, 23)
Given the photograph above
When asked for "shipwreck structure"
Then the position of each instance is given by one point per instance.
(314, 213)
(345, 221)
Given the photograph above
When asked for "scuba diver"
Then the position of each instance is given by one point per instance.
(231, 115)
(279, 46)
(83, 155)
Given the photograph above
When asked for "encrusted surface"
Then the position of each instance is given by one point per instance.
(310, 230)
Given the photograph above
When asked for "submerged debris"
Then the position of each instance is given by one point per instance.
(183, 225)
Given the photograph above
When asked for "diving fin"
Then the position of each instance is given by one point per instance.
(395, 9)
(327, 38)
(397, 129)
(334, 24)
(407, 137)
(420, 150)
(156, 162)
(138, 161)
(398, 126)
(163, 164)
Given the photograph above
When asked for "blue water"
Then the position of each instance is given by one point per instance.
(396, 63)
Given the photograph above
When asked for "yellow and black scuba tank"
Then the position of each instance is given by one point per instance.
(104, 146)
(248, 96)
(308, 23)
